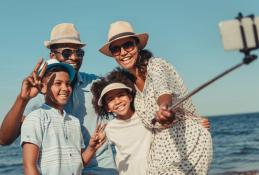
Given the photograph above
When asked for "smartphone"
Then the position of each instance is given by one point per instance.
(231, 33)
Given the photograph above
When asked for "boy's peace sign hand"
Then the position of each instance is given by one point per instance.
(31, 85)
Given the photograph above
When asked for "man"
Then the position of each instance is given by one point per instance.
(65, 46)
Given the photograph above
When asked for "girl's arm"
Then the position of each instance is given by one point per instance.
(30, 157)
(96, 141)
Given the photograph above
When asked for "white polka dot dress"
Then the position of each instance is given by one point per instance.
(184, 148)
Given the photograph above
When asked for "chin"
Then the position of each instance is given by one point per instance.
(62, 102)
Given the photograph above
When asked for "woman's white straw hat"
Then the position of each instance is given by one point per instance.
(64, 33)
(119, 30)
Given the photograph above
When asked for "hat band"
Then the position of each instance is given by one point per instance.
(120, 35)
(73, 38)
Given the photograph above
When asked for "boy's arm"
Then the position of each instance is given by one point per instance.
(31, 85)
(30, 157)
(96, 141)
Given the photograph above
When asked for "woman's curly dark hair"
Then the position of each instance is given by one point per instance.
(118, 75)
(143, 58)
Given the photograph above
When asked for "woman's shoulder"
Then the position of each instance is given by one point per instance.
(157, 62)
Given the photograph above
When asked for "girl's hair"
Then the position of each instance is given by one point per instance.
(118, 75)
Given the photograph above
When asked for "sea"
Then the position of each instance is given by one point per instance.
(235, 146)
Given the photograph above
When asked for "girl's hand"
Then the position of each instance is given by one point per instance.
(205, 123)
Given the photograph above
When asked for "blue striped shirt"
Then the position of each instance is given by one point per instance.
(59, 140)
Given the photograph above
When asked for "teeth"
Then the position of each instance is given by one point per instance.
(120, 108)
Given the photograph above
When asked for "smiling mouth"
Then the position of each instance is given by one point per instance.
(120, 108)
(64, 95)
(125, 60)
(73, 64)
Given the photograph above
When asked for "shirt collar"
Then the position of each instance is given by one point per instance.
(79, 78)
(55, 110)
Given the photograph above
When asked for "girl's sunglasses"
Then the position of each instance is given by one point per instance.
(127, 46)
(66, 53)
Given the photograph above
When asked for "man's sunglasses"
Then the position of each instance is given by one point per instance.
(127, 46)
(66, 53)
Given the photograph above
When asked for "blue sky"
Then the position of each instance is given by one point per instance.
(185, 33)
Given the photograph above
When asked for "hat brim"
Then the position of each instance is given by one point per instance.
(143, 38)
(66, 66)
(111, 87)
(63, 41)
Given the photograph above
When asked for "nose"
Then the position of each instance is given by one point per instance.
(117, 100)
(123, 52)
(74, 56)
(65, 86)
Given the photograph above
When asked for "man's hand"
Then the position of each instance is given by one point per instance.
(31, 85)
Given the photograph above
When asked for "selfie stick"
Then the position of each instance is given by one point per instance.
(246, 60)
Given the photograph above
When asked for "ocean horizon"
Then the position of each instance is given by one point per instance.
(235, 143)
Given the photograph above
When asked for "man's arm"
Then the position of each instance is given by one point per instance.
(31, 86)
(11, 125)
(30, 157)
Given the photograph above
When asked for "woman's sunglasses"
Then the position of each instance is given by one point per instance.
(66, 53)
(127, 46)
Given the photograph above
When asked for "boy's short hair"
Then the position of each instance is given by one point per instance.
(118, 75)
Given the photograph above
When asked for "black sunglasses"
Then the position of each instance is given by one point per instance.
(127, 46)
(66, 53)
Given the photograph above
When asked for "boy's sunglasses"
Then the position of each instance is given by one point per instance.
(127, 46)
(66, 53)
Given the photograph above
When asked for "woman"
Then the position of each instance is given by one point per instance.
(183, 147)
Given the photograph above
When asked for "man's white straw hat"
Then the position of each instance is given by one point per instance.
(64, 33)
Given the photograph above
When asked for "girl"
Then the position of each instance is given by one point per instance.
(114, 94)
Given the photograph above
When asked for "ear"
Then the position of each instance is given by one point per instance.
(106, 108)
(130, 97)
(44, 88)
(52, 55)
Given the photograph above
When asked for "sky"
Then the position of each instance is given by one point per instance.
(185, 33)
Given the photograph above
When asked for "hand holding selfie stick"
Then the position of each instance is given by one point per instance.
(246, 60)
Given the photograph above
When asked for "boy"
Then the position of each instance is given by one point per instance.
(52, 137)
(114, 94)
